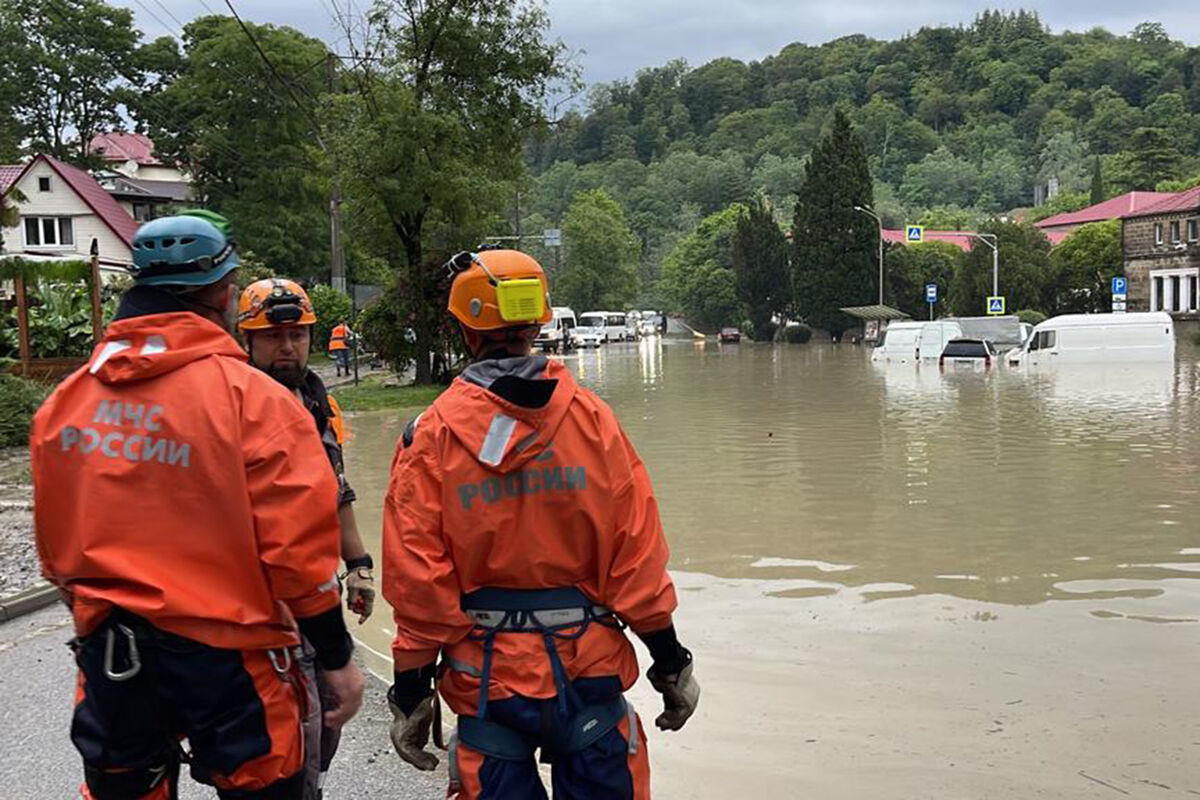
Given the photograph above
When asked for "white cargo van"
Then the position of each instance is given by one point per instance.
(614, 327)
(555, 335)
(911, 342)
(1101, 338)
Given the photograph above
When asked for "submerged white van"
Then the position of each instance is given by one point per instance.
(1100, 338)
(911, 342)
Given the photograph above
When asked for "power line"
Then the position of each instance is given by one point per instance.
(286, 84)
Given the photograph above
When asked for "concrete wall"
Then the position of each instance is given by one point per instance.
(1142, 255)
(62, 201)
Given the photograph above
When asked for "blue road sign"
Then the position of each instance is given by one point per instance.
(931, 293)
(995, 306)
(1119, 285)
(914, 234)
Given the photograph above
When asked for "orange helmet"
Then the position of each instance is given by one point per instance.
(274, 302)
(496, 289)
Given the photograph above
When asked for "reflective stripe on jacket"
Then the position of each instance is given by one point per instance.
(494, 494)
(176, 481)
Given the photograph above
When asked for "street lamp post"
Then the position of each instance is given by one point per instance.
(870, 212)
(995, 245)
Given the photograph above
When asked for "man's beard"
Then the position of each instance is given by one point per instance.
(290, 375)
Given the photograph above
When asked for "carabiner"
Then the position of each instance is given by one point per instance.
(283, 671)
(135, 658)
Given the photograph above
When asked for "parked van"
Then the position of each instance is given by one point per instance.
(910, 342)
(614, 327)
(591, 330)
(555, 335)
(1099, 339)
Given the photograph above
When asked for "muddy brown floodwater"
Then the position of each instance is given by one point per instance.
(904, 584)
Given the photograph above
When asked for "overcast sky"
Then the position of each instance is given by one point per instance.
(618, 37)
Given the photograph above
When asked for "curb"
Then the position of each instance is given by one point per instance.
(27, 601)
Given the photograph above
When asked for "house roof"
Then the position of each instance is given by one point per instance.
(1118, 207)
(93, 194)
(1188, 200)
(121, 186)
(964, 240)
(120, 146)
(9, 174)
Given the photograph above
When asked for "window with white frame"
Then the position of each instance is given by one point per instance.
(1158, 233)
(49, 232)
(1175, 290)
(1175, 237)
(44, 184)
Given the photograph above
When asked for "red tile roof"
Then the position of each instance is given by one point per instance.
(9, 174)
(965, 240)
(118, 146)
(1188, 200)
(1117, 208)
(100, 201)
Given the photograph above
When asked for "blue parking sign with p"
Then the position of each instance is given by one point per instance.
(1119, 285)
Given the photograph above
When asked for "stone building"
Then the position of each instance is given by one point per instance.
(1162, 254)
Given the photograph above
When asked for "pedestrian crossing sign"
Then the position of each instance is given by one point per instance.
(995, 306)
(914, 234)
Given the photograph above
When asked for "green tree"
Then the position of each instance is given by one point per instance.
(834, 247)
(941, 178)
(331, 307)
(249, 142)
(698, 276)
(1097, 194)
(759, 257)
(65, 63)
(1152, 157)
(600, 271)
(1024, 274)
(430, 144)
(911, 267)
(1082, 267)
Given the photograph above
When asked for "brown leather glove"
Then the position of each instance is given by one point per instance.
(360, 592)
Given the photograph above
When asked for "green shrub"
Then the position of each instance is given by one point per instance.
(19, 399)
(1031, 317)
(797, 334)
(331, 307)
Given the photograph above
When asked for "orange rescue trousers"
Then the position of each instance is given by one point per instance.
(140, 691)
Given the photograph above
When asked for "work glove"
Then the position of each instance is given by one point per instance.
(360, 592)
(410, 734)
(681, 694)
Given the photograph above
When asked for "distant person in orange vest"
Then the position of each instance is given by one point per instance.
(186, 512)
(339, 347)
(276, 318)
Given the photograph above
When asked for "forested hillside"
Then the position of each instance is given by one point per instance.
(959, 124)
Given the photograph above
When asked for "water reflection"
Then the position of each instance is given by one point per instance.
(786, 462)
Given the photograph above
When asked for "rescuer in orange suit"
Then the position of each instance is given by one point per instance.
(521, 536)
(186, 511)
(276, 318)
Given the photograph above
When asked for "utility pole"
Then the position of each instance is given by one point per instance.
(337, 255)
(870, 212)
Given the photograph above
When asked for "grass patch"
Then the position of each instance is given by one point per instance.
(372, 395)
(321, 359)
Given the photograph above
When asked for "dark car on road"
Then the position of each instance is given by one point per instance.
(967, 354)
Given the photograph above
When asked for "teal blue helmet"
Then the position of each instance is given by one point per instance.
(181, 251)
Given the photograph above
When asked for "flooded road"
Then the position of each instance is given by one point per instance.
(904, 584)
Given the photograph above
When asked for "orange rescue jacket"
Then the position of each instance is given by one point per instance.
(338, 337)
(174, 480)
(492, 494)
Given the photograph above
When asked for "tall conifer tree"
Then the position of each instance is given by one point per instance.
(834, 247)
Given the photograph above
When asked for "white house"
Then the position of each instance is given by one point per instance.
(132, 155)
(63, 211)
